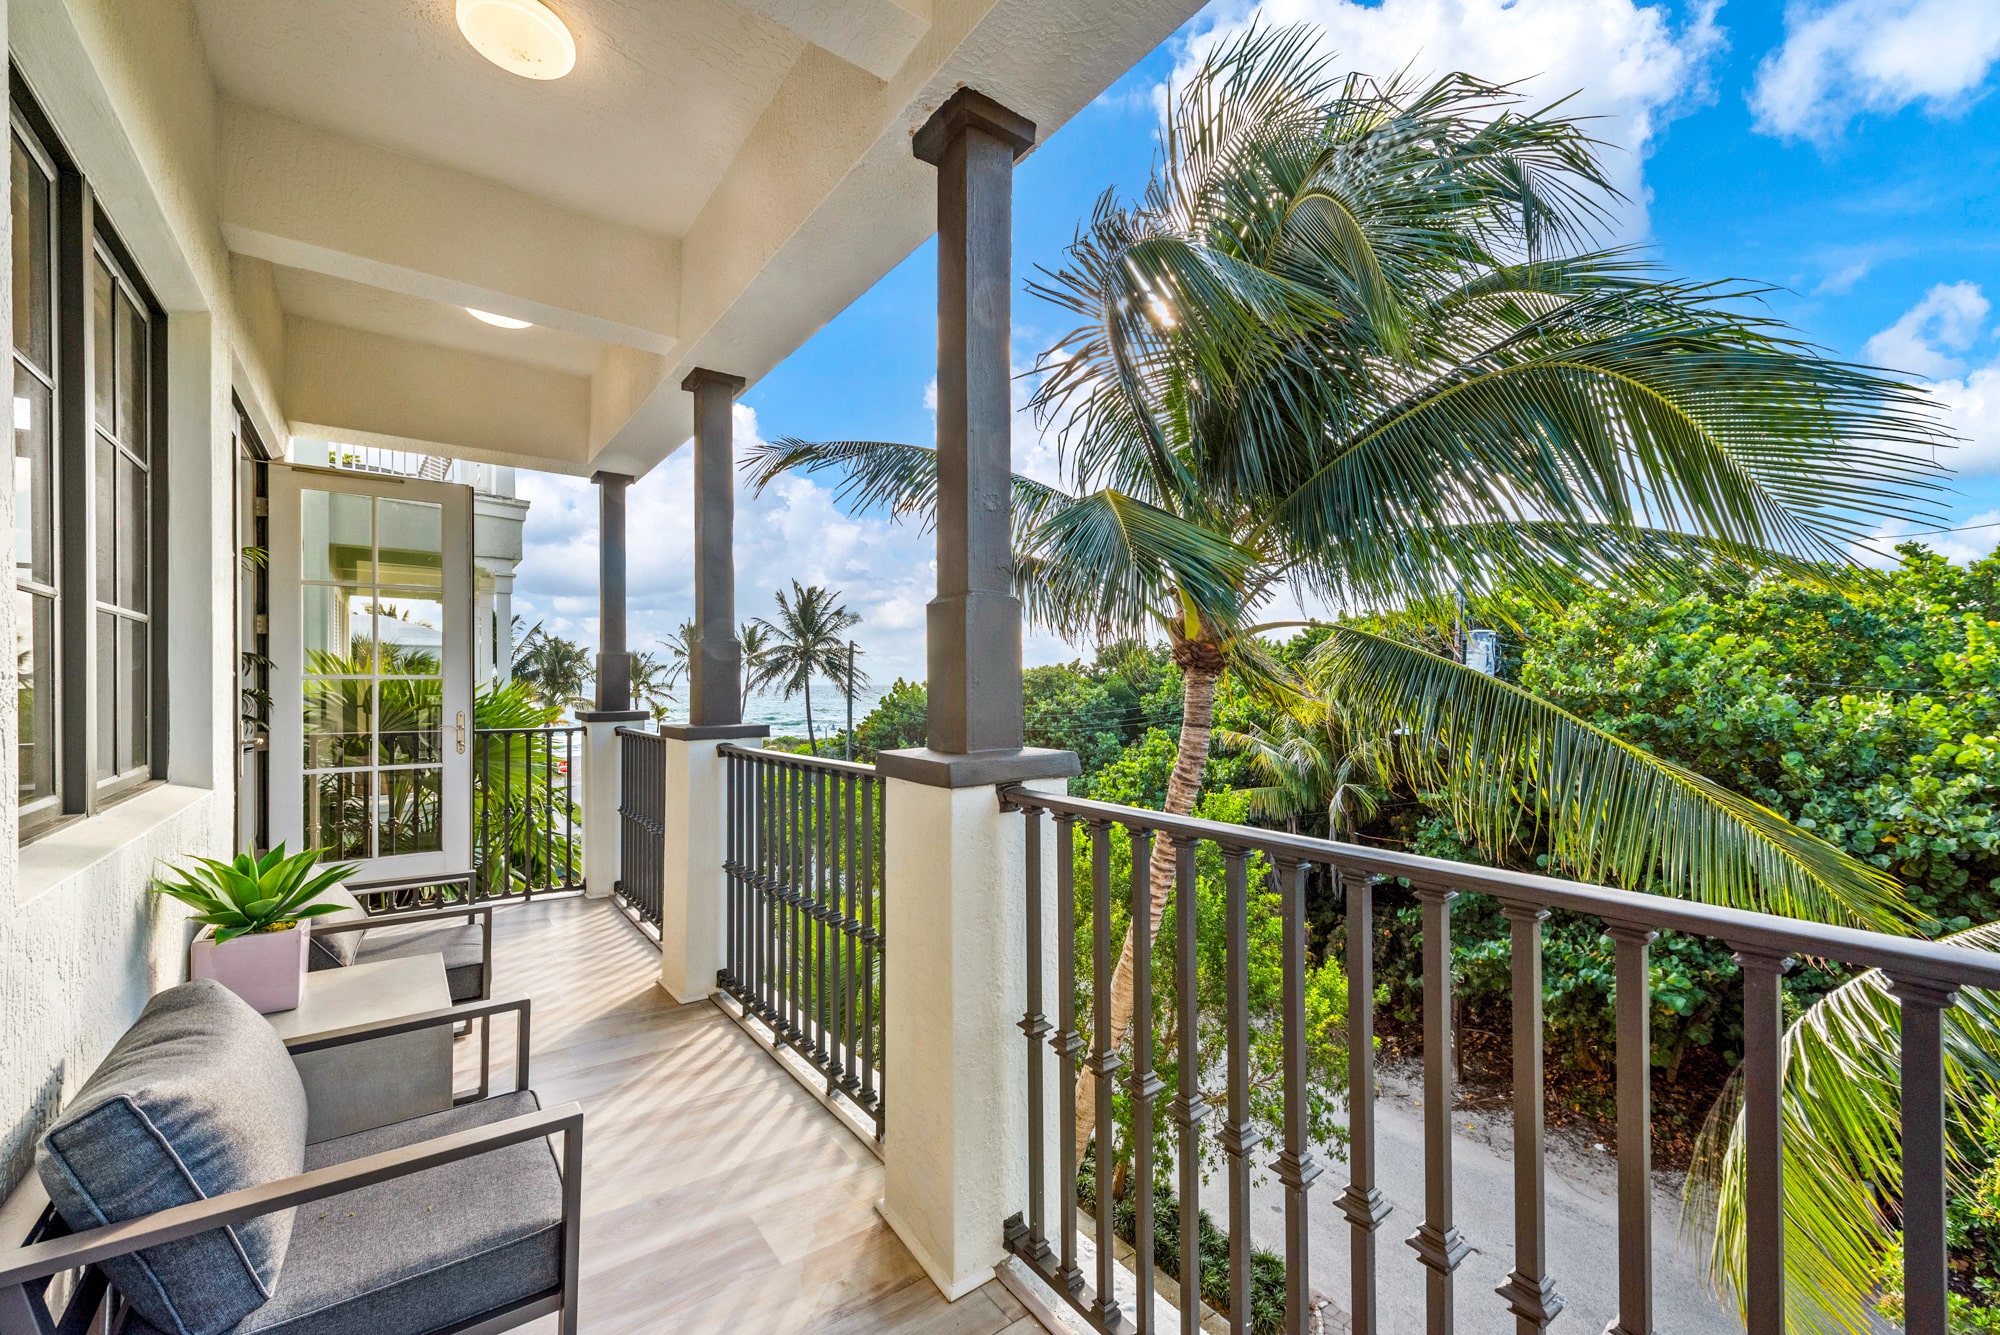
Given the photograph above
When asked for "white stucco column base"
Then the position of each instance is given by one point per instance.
(601, 791)
(955, 1158)
(693, 886)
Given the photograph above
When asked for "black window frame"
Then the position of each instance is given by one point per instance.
(83, 235)
(45, 807)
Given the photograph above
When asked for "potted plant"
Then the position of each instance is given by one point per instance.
(253, 914)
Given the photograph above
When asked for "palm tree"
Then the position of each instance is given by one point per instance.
(653, 681)
(558, 669)
(1316, 757)
(679, 662)
(756, 642)
(807, 639)
(1353, 342)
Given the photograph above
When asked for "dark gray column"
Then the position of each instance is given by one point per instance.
(715, 673)
(974, 623)
(614, 660)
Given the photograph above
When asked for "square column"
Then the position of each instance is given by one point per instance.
(955, 1161)
(715, 674)
(694, 888)
(614, 660)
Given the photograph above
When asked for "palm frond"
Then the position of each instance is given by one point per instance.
(881, 475)
(1508, 763)
(1843, 1137)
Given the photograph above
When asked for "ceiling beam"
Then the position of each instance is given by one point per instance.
(364, 388)
(310, 199)
(877, 35)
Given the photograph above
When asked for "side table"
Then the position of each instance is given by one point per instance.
(373, 1083)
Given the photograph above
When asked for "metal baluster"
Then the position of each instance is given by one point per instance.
(881, 948)
(1104, 1063)
(1635, 1128)
(481, 750)
(1187, 1107)
(1926, 1275)
(1294, 1166)
(1035, 1025)
(788, 886)
(1530, 1292)
(1239, 1141)
(1437, 1241)
(507, 813)
(870, 1092)
(822, 1016)
(767, 908)
(1145, 1083)
(1764, 1138)
(851, 947)
(1068, 1043)
(548, 808)
(1362, 1202)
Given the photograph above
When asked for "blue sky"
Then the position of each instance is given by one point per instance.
(1846, 152)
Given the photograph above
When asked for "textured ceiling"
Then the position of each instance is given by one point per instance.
(663, 94)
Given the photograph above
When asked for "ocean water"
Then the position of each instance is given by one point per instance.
(787, 718)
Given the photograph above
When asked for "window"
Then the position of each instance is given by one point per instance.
(87, 413)
(34, 201)
(121, 361)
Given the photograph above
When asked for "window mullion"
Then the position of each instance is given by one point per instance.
(76, 566)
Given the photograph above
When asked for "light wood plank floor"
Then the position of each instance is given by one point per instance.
(718, 1194)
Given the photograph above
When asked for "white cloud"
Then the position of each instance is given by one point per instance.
(794, 530)
(1628, 62)
(1968, 542)
(1852, 57)
(1933, 339)
(1929, 338)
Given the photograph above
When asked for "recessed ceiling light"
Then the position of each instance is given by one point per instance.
(499, 321)
(523, 37)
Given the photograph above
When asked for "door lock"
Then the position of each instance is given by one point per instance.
(461, 732)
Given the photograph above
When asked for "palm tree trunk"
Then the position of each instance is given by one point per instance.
(1198, 680)
(812, 739)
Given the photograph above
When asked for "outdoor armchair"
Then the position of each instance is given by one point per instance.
(462, 933)
(178, 1188)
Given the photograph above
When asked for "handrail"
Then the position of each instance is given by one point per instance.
(1902, 956)
(1094, 1059)
(792, 758)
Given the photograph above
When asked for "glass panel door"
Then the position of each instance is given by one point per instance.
(371, 637)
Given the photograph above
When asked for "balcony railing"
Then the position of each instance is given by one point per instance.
(803, 942)
(642, 829)
(490, 479)
(1923, 975)
(526, 823)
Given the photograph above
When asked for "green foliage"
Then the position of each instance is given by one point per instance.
(1267, 1269)
(1868, 716)
(248, 894)
(1972, 1233)
(896, 723)
(529, 834)
(1326, 993)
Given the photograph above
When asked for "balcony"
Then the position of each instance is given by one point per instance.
(719, 1194)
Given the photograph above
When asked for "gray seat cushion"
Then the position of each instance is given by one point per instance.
(198, 1098)
(462, 944)
(420, 1253)
(335, 950)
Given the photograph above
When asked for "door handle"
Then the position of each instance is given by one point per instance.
(461, 732)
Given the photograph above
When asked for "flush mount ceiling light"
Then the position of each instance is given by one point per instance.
(498, 321)
(523, 37)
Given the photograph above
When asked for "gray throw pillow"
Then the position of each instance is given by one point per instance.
(335, 950)
(199, 1098)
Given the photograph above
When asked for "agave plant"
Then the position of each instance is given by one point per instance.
(249, 894)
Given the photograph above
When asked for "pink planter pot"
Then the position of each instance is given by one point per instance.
(266, 969)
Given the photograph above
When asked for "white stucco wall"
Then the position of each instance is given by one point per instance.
(82, 943)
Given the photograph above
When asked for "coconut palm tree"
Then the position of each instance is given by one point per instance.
(1315, 757)
(808, 639)
(1354, 342)
(653, 681)
(558, 669)
(756, 642)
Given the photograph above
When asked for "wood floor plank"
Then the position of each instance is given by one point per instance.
(719, 1196)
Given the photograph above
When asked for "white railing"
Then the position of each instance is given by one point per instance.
(490, 479)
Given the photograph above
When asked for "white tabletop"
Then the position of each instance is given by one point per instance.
(365, 994)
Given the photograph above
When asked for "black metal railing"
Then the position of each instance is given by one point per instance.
(527, 828)
(803, 942)
(642, 830)
(1924, 976)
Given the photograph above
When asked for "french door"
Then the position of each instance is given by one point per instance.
(371, 682)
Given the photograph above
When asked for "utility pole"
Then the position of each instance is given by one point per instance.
(847, 749)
